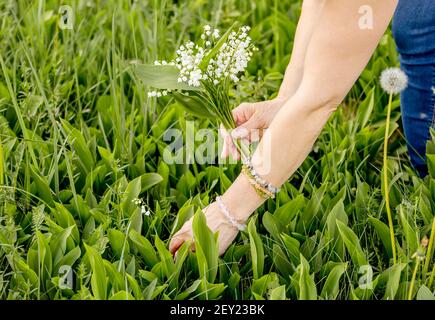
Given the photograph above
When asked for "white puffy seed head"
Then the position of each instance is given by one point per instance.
(393, 80)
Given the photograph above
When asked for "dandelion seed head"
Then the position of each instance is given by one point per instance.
(393, 80)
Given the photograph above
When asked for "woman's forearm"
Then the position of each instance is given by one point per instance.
(336, 55)
(311, 11)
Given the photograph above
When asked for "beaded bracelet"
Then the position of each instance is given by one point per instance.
(261, 191)
(253, 174)
(231, 220)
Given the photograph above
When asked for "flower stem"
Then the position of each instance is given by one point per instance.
(429, 249)
(386, 187)
(414, 274)
(432, 276)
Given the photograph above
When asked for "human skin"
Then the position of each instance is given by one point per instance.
(332, 54)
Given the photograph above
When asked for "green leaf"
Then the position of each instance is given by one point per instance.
(207, 248)
(332, 284)
(144, 247)
(280, 260)
(365, 109)
(131, 193)
(166, 259)
(425, 294)
(411, 235)
(98, 279)
(149, 180)
(288, 211)
(78, 144)
(163, 77)
(264, 285)
(44, 257)
(278, 293)
(352, 244)
(392, 275)
(122, 295)
(118, 242)
(272, 225)
(70, 258)
(257, 250)
(43, 189)
(383, 232)
(194, 105)
(311, 210)
(58, 244)
(303, 282)
(210, 291)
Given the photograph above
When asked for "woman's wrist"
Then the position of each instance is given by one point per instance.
(241, 199)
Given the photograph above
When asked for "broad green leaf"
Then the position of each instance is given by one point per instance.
(292, 247)
(43, 189)
(134, 286)
(392, 276)
(411, 235)
(58, 244)
(425, 294)
(311, 210)
(118, 242)
(122, 295)
(144, 247)
(80, 147)
(149, 180)
(207, 248)
(257, 251)
(272, 225)
(352, 244)
(130, 194)
(264, 285)
(210, 291)
(365, 109)
(303, 282)
(194, 105)
(163, 77)
(98, 278)
(165, 257)
(70, 258)
(278, 293)
(383, 232)
(44, 257)
(288, 211)
(331, 287)
(280, 260)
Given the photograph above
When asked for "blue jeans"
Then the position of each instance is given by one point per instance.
(414, 32)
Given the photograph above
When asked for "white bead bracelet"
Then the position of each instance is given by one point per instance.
(231, 220)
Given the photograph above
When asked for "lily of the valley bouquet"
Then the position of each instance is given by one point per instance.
(201, 74)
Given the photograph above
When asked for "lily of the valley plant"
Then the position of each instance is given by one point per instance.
(201, 74)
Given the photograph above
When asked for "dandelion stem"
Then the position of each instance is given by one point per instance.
(432, 275)
(414, 274)
(386, 187)
(429, 249)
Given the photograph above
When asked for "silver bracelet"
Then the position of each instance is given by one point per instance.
(233, 222)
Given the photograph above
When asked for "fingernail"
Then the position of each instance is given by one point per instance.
(239, 133)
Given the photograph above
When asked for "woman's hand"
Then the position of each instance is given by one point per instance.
(251, 119)
(216, 221)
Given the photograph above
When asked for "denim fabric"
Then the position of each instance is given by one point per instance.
(414, 32)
